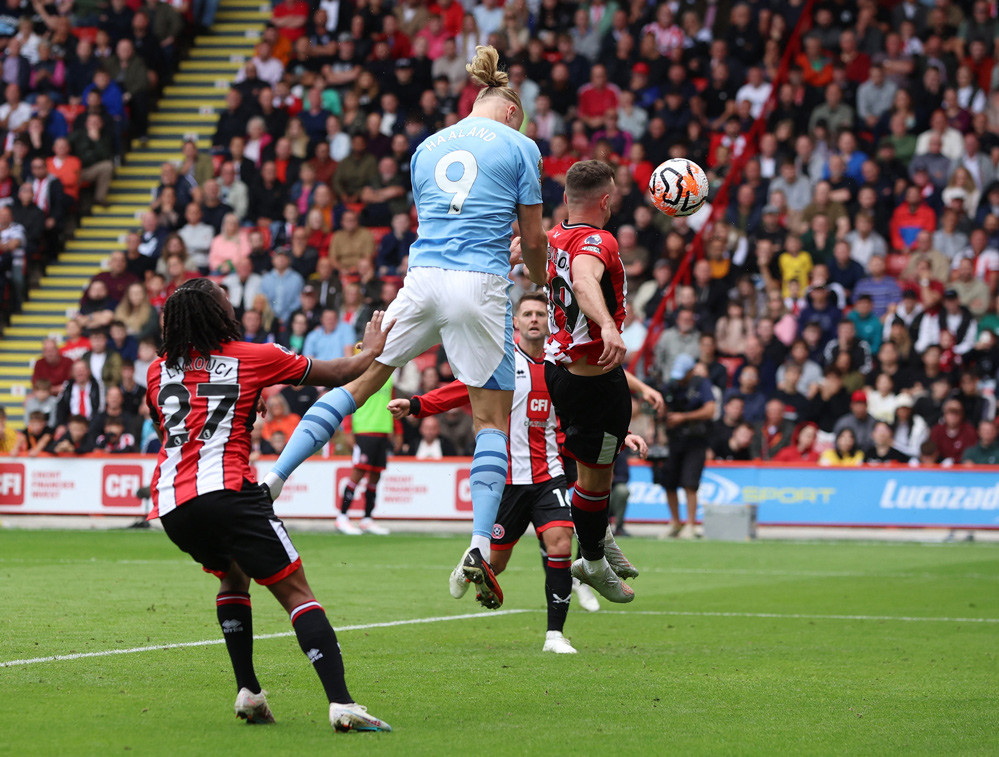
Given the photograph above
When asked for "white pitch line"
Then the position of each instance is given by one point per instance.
(211, 642)
(798, 616)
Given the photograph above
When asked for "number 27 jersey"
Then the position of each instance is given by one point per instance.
(205, 410)
(573, 335)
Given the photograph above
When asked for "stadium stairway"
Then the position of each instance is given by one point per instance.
(189, 105)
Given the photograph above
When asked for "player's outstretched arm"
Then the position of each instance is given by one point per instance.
(586, 273)
(441, 399)
(644, 392)
(345, 369)
(533, 243)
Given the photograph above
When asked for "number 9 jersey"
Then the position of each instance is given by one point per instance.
(205, 410)
(573, 336)
(468, 180)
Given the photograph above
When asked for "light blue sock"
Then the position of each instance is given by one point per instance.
(487, 479)
(316, 428)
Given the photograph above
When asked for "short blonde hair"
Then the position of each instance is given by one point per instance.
(485, 69)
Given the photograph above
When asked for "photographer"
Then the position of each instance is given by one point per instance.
(690, 407)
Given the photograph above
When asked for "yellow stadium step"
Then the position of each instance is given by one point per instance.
(87, 245)
(225, 47)
(202, 78)
(16, 386)
(192, 120)
(212, 95)
(159, 155)
(133, 171)
(65, 282)
(244, 15)
(93, 259)
(106, 234)
(111, 211)
(42, 332)
(37, 319)
(45, 306)
(149, 183)
(139, 206)
(251, 31)
(177, 134)
(17, 352)
(11, 371)
(225, 66)
(65, 270)
(115, 222)
(176, 144)
(225, 42)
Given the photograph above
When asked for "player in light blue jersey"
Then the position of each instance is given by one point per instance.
(471, 181)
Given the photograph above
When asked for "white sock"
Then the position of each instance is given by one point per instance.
(483, 543)
(273, 482)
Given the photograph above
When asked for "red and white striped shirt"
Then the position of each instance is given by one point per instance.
(205, 410)
(534, 433)
(573, 336)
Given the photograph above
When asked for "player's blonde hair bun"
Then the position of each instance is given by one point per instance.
(484, 67)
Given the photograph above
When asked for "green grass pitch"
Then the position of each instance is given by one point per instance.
(757, 648)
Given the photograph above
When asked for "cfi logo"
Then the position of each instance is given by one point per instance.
(231, 626)
(121, 484)
(498, 531)
(314, 655)
(12, 483)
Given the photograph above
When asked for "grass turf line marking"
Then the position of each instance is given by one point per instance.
(773, 573)
(211, 642)
(798, 616)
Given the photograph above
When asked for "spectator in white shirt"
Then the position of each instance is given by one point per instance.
(756, 90)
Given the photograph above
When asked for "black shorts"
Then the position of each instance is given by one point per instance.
(545, 505)
(683, 468)
(371, 452)
(594, 413)
(220, 527)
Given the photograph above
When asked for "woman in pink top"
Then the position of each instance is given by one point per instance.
(228, 247)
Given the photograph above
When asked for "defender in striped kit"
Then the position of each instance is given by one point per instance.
(202, 394)
(536, 490)
(586, 381)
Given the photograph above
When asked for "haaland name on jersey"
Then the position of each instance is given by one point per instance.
(486, 135)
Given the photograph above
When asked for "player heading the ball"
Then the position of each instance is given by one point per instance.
(470, 182)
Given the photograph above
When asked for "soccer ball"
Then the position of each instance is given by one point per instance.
(679, 187)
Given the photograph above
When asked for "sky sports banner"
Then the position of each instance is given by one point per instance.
(871, 496)
(424, 490)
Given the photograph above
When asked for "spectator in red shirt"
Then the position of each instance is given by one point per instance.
(559, 160)
(909, 219)
(953, 435)
(290, 18)
(117, 278)
(52, 366)
(453, 14)
(597, 97)
(802, 446)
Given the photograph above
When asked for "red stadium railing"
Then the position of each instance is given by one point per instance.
(720, 204)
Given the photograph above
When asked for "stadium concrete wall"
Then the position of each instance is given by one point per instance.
(410, 489)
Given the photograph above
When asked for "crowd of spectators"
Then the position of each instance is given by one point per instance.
(78, 80)
(845, 307)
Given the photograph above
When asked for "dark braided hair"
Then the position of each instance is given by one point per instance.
(193, 319)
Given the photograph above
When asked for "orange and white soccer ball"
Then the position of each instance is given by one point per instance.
(679, 187)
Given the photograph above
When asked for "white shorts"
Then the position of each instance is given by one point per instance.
(466, 311)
